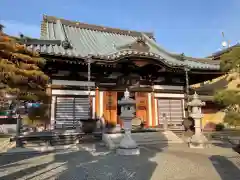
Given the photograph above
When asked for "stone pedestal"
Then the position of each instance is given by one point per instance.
(127, 145)
(197, 141)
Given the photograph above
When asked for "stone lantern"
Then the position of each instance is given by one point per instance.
(127, 145)
(198, 139)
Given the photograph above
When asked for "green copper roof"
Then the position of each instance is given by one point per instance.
(106, 43)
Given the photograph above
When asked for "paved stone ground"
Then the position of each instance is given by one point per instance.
(94, 162)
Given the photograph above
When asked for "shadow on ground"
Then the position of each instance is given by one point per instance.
(12, 160)
(102, 166)
(227, 168)
(89, 161)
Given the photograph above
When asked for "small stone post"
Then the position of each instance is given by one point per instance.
(165, 122)
(127, 145)
(198, 140)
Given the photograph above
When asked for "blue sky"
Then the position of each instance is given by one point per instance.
(190, 26)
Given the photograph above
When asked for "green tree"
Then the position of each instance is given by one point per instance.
(20, 71)
(229, 97)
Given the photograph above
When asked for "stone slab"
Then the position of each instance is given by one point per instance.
(196, 146)
(39, 149)
(128, 152)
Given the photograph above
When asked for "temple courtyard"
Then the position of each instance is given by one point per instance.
(96, 162)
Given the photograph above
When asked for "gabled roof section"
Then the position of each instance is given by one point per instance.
(219, 53)
(210, 86)
(229, 81)
(79, 40)
(79, 25)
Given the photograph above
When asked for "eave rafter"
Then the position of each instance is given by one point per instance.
(130, 54)
(118, 57)
(112, 58)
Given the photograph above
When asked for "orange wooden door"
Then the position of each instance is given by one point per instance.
(142, 106)
(110, 106)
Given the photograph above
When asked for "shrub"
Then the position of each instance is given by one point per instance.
(219, 127)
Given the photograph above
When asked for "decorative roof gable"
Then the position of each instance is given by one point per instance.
(138, 45)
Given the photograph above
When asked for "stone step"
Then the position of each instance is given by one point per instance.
(178, 132)
(69, 138)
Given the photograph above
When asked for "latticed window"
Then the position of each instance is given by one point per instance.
(72, 109)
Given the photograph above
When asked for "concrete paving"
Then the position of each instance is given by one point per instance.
(96, 162)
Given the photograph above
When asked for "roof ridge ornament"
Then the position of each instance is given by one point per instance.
(141, 39)
(182, 57)
(1, 27)
(66, 44)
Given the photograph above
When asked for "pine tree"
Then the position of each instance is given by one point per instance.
(229, 97)
(20, 70)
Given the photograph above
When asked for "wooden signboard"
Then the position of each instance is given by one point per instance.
(110, 101)
(110, 106)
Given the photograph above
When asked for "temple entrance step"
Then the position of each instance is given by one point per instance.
(165, 137)
(75, 139)
(66, 127)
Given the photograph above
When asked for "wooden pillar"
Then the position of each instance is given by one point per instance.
(97, 103)
(48, 102)
(101, 103)
(149, 112)
(153, 110)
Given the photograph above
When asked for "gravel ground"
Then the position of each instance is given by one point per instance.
(94, 162)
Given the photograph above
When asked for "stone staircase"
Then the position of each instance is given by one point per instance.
(76, 138)
(67, 125)
(66, 140)
(145, 138)
(224, 136)
(61, 137)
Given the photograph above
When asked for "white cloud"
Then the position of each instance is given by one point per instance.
(14, 28)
